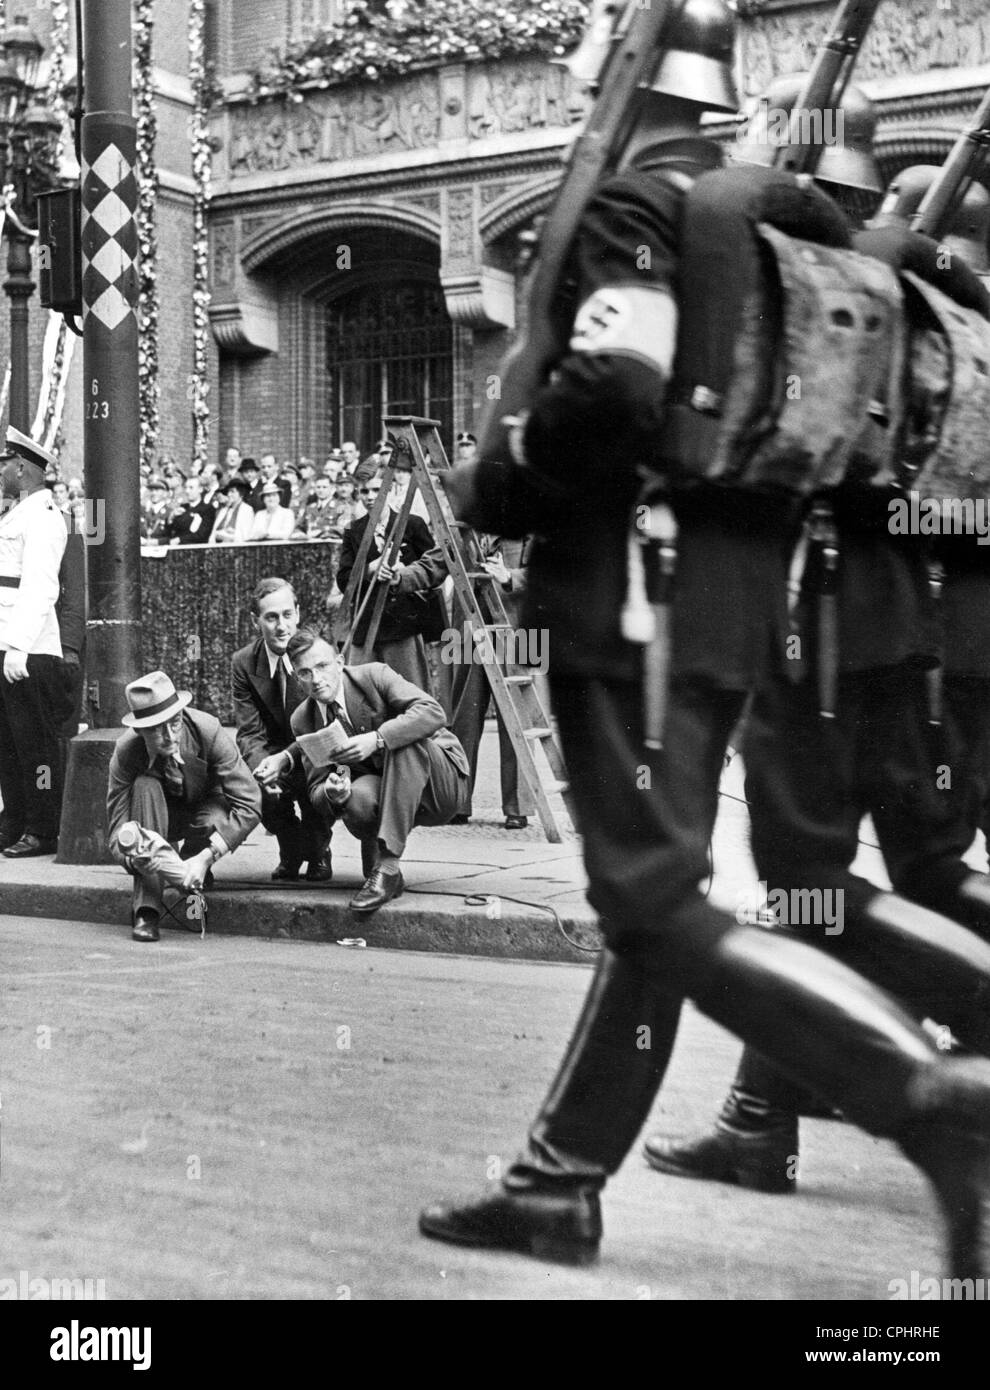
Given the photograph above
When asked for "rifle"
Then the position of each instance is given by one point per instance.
(826, 82)
(619, 52)
(949, 187)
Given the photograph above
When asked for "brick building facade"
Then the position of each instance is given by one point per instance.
(364, 239)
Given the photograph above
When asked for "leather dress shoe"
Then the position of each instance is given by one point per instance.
(8, 838)
(461, 819)
(563, 1225)
(285, 873)
(381, 886)
(516, 822)
(762, 1160)
(29, 846)
(145, 926)
(319, 870)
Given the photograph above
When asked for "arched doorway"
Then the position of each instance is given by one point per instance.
(389, 350)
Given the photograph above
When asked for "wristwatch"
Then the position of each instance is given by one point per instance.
(379, 742)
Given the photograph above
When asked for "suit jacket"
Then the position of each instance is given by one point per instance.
(379, 699)
(238, 518)
(70, 609)
(412, 607)
(262, 728)
(154, 524)
(193, 525)
(212, 769)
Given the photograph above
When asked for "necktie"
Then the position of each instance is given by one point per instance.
(338, 713)
(171, 777)
(280, 684)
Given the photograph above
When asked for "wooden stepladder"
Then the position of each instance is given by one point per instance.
(485, 623)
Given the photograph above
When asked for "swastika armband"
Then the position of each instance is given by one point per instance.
(631, 321)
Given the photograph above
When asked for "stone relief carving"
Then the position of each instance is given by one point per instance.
(505, 98)
(223, 254)
(362, 122)
(907, 36)
(460, 224)
(354, 123)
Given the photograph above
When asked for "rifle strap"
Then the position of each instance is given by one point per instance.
(933, 676)
(824, 539)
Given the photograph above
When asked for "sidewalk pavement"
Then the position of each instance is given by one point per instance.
(476, 889)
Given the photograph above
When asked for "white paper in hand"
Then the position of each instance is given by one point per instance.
(319, 748)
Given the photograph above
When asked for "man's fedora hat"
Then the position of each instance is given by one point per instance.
(153, 700)
(26, 449)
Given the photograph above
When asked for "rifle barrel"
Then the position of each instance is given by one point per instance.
(934, 214)
(827, 81)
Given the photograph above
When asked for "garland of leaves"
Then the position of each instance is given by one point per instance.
(199, 139)
(373, 42)
(58, 48)
(149, 302)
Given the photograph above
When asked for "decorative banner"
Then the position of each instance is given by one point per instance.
(49, 352)
(149, 303)
(56, 360)
(199, 139)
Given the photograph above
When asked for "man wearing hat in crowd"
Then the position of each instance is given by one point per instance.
(175, 776)
(32, 700)
(236, 516)
(276, 522)
(154, 517)
(249, 469)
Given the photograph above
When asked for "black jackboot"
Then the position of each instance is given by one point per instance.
(548, 1204)
(755, 1140)
(815, 1019)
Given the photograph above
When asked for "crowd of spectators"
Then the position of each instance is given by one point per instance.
(248, 501)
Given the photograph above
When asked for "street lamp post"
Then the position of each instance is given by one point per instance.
(28, 166)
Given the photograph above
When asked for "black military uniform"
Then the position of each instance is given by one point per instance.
(810, 780)
(646, 817)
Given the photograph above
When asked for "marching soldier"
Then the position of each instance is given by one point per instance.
(32, 698)
(645, 814)
(877, 753)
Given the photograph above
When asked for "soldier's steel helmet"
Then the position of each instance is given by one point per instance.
(697, 64)
(970, 227)
(845, 134)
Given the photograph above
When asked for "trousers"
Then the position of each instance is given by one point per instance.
(31, 776)
(301, 838)
(647, 819)
(176, 821)
(417, 785)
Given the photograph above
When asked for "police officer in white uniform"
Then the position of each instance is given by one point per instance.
(32, 541)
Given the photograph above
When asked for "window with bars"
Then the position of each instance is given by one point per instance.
(389, 352)
(308, 17)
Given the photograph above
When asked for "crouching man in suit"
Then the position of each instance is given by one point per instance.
(176, 776)
(400, 766)
(266, 695)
